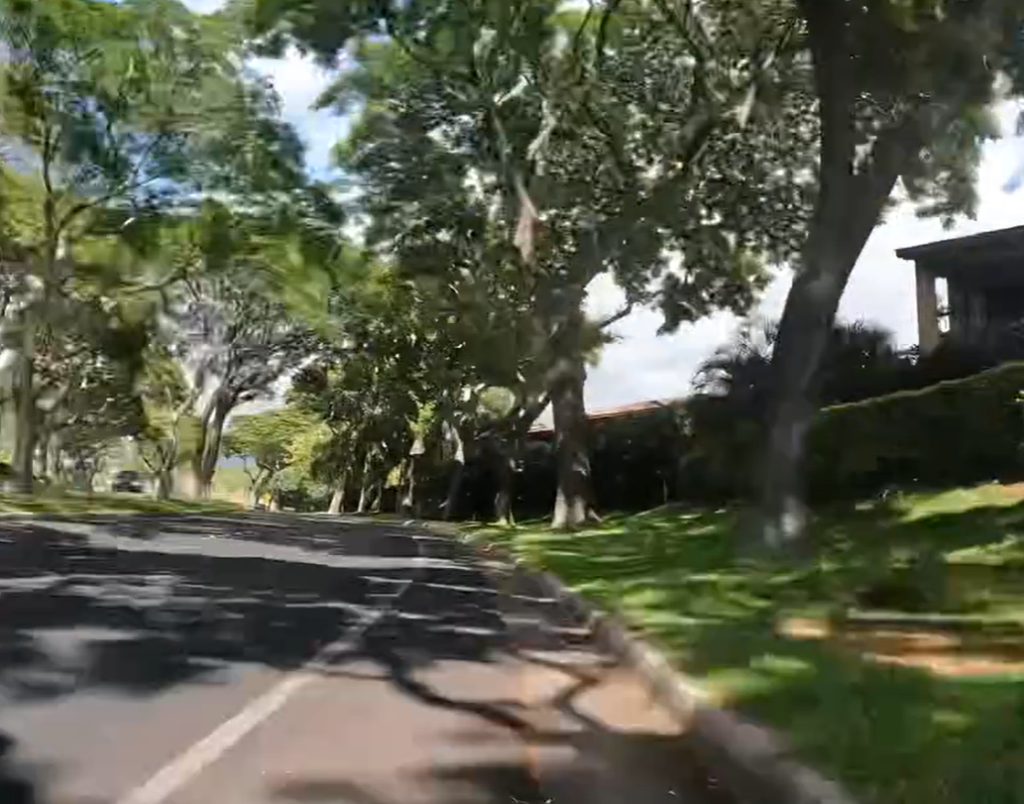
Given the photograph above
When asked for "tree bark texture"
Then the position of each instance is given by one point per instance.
(572, 460)
(568, 377)
(853, 189)
(845, 216)
(211, 432)
(807, 320)
(337, 505)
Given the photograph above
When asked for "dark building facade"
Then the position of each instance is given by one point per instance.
(984, 277)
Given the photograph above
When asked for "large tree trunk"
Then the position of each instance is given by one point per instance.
(853, 188)
(806, 323)
(567, 379)
(841, 227)
(338, 498)
(211, 433)
(572, 460)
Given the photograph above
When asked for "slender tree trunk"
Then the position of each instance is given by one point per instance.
(25, 425)
(54, 458)
(505, 493)
(365, 486)
(164, 484)
(407, 506)
(42, 452)
(451, 502)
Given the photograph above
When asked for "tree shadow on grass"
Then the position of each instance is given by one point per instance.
(891, 733)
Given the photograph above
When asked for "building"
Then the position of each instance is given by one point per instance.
(983, 276)
(632, 411)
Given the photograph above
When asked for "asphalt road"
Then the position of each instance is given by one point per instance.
(272, 658)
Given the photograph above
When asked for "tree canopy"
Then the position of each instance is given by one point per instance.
(166, 258)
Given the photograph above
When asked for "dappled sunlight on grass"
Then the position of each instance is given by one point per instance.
(890, 732)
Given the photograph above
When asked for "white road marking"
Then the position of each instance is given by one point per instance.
(195, 759)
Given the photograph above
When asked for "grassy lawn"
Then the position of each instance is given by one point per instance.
(69, 503)
(919, 713)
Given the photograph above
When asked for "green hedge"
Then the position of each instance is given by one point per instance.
(959, 431)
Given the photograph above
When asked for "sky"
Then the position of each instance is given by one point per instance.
(642, 365)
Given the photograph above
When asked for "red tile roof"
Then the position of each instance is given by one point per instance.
(620, 412)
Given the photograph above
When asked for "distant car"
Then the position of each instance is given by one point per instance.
(129, 481)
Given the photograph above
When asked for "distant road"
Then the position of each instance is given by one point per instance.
(245, 659)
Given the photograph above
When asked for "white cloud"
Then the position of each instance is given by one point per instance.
(204, 6)
(299, 82)
(644, 366)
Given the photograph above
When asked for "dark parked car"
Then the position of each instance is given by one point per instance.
(129, 481)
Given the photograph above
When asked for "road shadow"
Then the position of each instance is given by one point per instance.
(16, 785)
(577, 760)
(77, 614)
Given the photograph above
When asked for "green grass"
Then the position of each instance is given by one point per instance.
(70, 503)
(892, 734)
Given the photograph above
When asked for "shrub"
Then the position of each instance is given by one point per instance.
(955, 432)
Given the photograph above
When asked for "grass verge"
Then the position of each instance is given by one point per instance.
(893, 731)
(69, 503)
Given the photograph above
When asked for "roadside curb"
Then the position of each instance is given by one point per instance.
(752, 762)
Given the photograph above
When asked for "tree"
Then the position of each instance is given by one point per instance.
(232, 330)
(84, 394)
(902, 94)
(122, 113)
(169, 435)
(366, 385)
(532, 139)
(264, 442)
